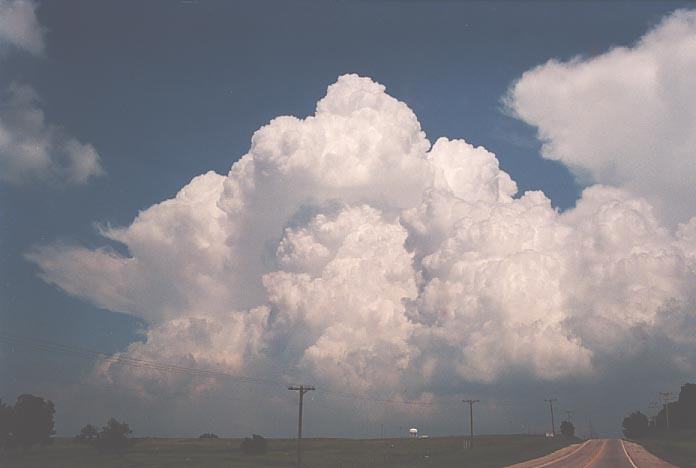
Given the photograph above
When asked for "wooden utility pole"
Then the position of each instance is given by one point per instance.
(666, 398)
(553, 424)
(653, 405)
(471, 420)
(302, 389)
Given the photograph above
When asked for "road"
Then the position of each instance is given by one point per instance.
(598, 453)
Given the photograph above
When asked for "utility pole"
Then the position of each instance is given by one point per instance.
(471, 420)
(666, 398)
(302, 389)
(653, 405)
(553, 423)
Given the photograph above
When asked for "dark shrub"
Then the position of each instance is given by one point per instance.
(567, 429)
(254, 446)
(208, 435)
(113, 436)
(87, 435)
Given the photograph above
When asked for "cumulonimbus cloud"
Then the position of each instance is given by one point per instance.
(626, 117)
(346, 250)
(31, 149)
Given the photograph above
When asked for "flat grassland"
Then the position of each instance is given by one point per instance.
(489, 451)
(678, 447)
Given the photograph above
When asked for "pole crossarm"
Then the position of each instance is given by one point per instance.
(301, 388)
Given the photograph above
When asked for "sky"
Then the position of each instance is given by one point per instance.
(462, 200)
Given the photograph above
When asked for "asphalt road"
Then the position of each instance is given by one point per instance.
(598, 453)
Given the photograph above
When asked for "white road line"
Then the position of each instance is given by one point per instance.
(563, 458)
(593, 459)
(627, 455)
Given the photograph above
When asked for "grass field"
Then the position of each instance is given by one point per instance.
(678, 448)
(489, 451)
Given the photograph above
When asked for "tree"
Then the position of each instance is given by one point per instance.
(254, 446)
(682, 413)
(208, 435)
(635, 425)
(32, 421)
(5, 424)
(685, 409)
(87, 435)
(114, 435)
(567, 429)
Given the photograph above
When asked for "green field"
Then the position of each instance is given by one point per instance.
(489, 451)
(677, 447)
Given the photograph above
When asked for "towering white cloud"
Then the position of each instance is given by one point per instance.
(31, 149)
(344, 250)
(626, 117)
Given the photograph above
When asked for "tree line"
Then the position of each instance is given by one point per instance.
(30, 422)
(676, 415)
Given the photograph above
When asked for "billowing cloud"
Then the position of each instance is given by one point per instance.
(19, 26)
(31, 149)
(626, 117)
(344, 250)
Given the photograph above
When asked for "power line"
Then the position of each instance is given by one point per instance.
(122, 360)
(45, 345)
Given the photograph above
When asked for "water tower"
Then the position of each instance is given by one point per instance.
(413, 432)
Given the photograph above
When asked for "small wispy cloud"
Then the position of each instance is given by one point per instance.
(31, 149)
(19, 26)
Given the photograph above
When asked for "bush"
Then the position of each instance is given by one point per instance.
(113, 436)
(567, 429)
(88, 435)
(254, 446)
(208, 435)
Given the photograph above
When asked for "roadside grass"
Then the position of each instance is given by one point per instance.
(488, 451)
(678, 447)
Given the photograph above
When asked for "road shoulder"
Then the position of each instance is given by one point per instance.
(642, 458)
(551, 457)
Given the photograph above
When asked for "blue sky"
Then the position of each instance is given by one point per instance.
(165, 91)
